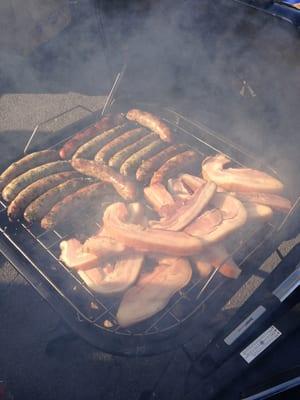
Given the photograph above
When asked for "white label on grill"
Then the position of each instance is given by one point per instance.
(244, 325)
(260, 344)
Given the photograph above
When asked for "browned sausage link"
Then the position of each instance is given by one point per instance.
(89, 149)
(73, 203)
(132, 163)
(81, 137)
(117, 159)
(24, 164)
(31, 192)
(151, 122)
(43, 204)
(146, 169)
(122, 185)
(188, 161)
(120, 142)
(20, 182)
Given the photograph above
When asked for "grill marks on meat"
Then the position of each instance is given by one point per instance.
(238, 179)
(113, 280)
(75, 203)
(120, 156)
(119, 143)
(154, 290)
(187, 161)
(151, 122)
(130, 166)
(26, 163)
(22, 181)
(148, 167)
(36, 189)
(145, 239)
(124, 186)
(89, 133)
(43, 204)
(89, 149)
(189, 211)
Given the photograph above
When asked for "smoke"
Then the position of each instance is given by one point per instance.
(222, 63)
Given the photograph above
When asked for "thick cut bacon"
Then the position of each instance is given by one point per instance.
(213, 226)
(189, 211)
(145, 239)
(238, 179)
(192, 182)
(274, 201)
(103, 246)
(153, 290)
(159, 198)
(73, 256)
(178, 189)
(114, 280)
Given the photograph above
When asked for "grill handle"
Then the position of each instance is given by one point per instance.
(28, 146)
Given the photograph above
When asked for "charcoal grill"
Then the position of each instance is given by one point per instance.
(34, 253)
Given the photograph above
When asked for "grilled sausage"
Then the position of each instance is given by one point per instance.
(36, 189)
(187, 161)
(146, 169)
(151, 122)
(43, 204)
(89, 149)
(20, 182)
(117, 159)
(133, 162)
(119, 143)
(89, 133)
(24, 164)
(83, 197)
(122, 185)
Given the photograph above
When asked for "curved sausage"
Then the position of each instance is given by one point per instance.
(20, 182)
(146, 169)
(83, 197)
(31, 192)
(184, 162)
(151, 122)
(117, 159)
(122, 185)
(130, 165)
(83, 136)
(119, 143)
(89, 149)
(43, 204)
(30, 161)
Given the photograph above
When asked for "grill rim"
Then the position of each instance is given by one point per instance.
(142, 348)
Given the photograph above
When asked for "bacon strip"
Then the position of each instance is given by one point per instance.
(189, 211)
(145, 239)
(230, 214)
(274, 201)
(153, 290)
(159, 198)
(238, 179)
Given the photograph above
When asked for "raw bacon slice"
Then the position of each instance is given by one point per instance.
(213, 226)
(238, 179)
(189, 211)
(153, 290)
(274, 201)
(115, 280)
(73, 256)
(144, 239)
(159, 198)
